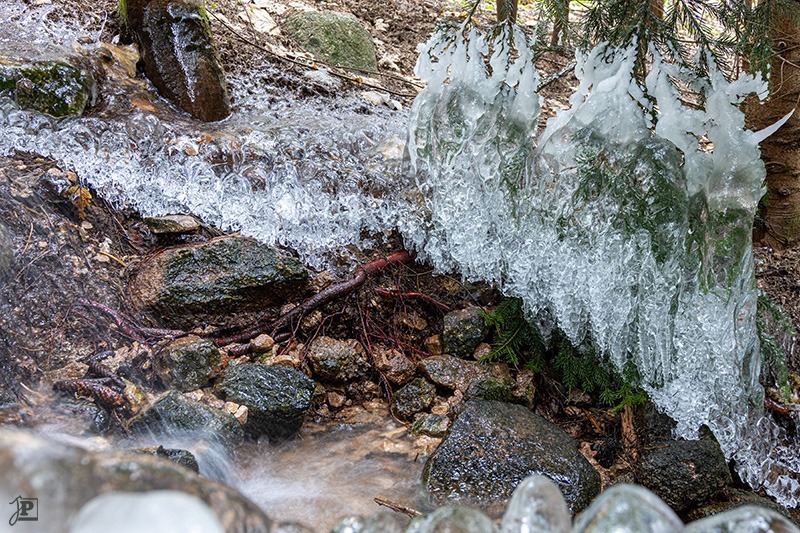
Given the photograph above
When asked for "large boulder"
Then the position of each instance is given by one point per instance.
(221, 276)
(277, 397)
(337, 38)
(492, 446)
(65, 478)
(174, 412)
(55, 87)
(684, 473)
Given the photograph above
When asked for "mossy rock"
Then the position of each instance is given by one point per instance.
(53, 87)
(188, 363)
(333, 37)
(224, 275)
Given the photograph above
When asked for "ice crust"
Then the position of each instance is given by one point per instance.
(616, 225)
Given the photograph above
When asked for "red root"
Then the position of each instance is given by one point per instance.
(102, 394)
(386, 293)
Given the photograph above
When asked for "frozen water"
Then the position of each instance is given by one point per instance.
(616, 224)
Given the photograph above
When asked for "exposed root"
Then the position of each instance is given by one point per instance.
(94, 389)
(386, 293)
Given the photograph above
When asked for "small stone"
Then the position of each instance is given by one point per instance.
(187, 363)
(746, 519)
(432, 425)
(537, 505)
(338, 361)
(262, 344)
(413, 398)
(336, 399)
(174, 224)
(481, 351)
(412, 320)
(395, 366)
(453, 519)
(434, 345)
(463, 330)
(626, 507)
(525, 388)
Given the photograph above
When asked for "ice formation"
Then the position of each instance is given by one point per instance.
(616, 225)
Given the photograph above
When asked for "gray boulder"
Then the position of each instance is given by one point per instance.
(173, 412)
(223, 275)
(336, 38)
(684, 473)
(492, 446)
(336, 361)
(627, 507)
(277, 398)
(463, 331)
(187, 363)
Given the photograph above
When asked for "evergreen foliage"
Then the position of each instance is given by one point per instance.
(516, 341)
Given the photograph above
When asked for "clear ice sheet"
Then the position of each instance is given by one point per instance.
(612, 222)
(617, 225)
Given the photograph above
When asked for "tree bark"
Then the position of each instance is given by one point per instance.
(559, 28)
(780, 209)
(657, 8)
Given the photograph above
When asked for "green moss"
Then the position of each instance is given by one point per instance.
(777, 336)
(52, 87)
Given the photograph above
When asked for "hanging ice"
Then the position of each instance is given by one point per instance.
(616, 224)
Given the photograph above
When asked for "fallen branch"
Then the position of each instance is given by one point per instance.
(124, 324)
(396, 507)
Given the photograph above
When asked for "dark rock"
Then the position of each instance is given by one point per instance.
(67, 478)
(746, 519)
(174, 412)
(6, 253)
(187, 363)
(492, 446)
(464, 330)
(224, 275)
(730, 499)
(336, 361)
(494, 386)
(626, 507)
(431, 424)
(457, 374)
(277, 397)
(185, 458)
(179, 55)
(413, 398)
(336, 38)
(684, 473)
(392, 364)
(53, 87)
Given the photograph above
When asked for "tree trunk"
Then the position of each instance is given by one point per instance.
(781, 152)
(559, 28)
(657, 8)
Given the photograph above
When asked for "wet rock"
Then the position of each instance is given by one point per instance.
(223, 275)
(627, 507)
(684, 473)
(336, 361)
(53, 87)
(525, 387)
(434, 345)
(537, 505)
(433, 425)
(392, 364)
(730, 499)
(67, 478)
(453, 519)
(277, 397)
(464, 330)
(497, 385)
(492, 446)
(382, 522)
(185, 458)
(163, 511)
(179, 55)
(457, 374)
(172, 224)
(747, 519)
(6, 253)
(413, 398)
(187, 363)
(336, 38)
(173, 412)
(262, 344)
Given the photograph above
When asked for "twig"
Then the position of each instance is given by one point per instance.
(396, 507)
(386, 293)
(554, 77)
(113, 258)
